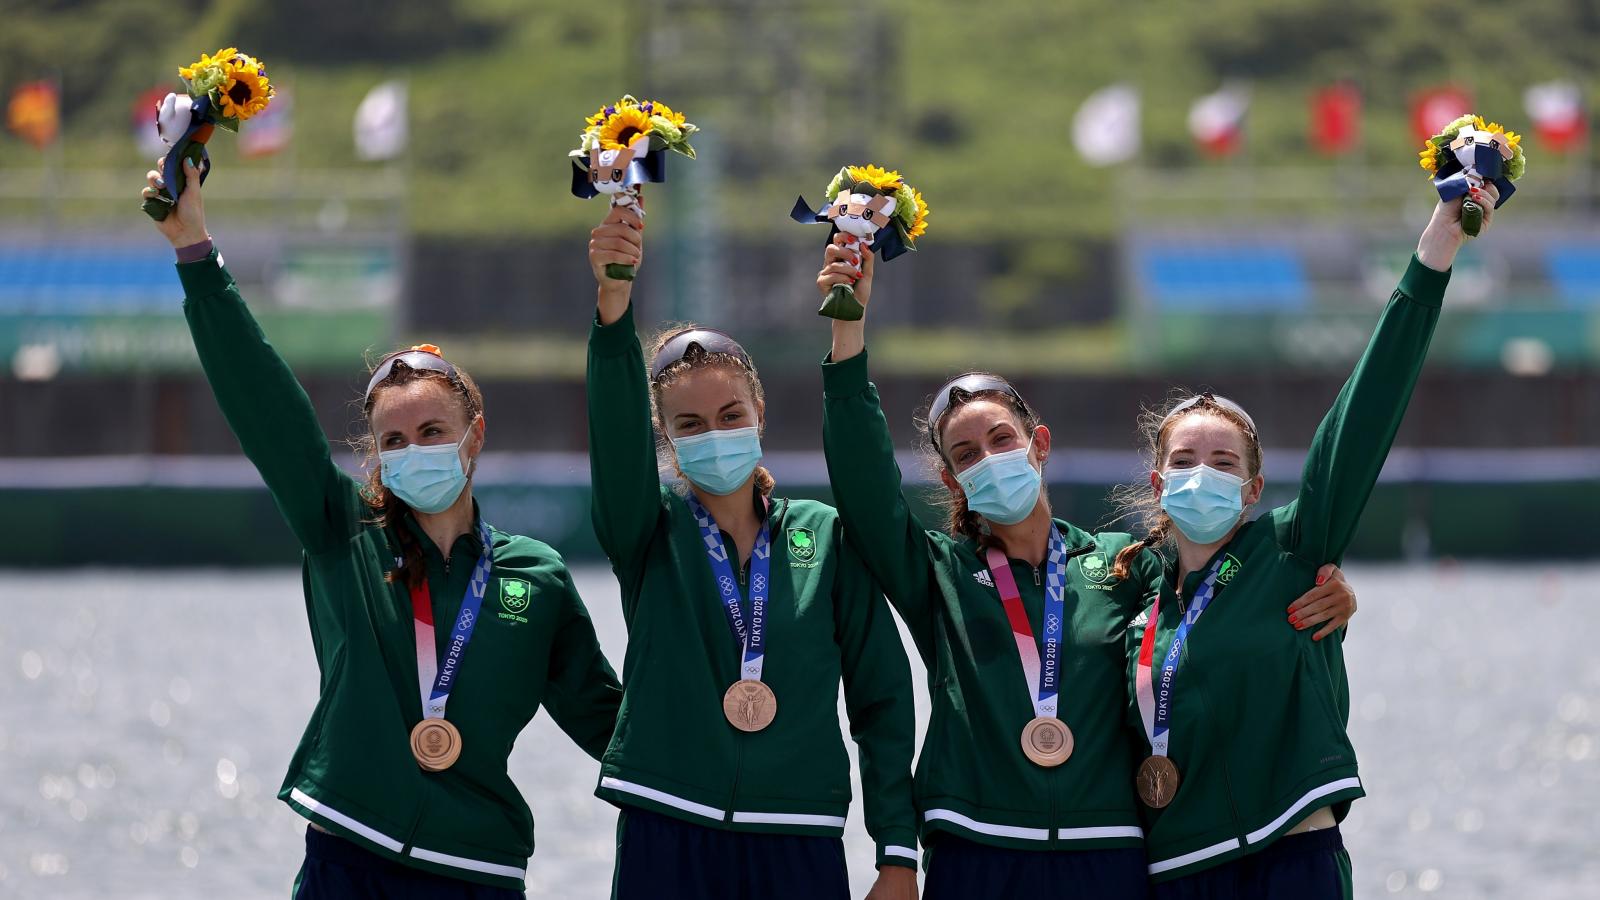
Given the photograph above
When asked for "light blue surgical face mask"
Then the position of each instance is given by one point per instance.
(1204, 503)
(428, 478)
(1002, 487)
(719, 461)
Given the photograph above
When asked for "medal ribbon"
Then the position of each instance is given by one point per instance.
(436, 678)
(1043, 677)
(1155, 706)
(752, 637)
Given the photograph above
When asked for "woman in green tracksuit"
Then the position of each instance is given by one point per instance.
(1248, 767)
(1025, 781)
(407, 797)
(744, 610)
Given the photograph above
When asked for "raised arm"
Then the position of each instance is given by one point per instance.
(867, 485)
(265, 406)
(582, 693)
(622, 450)
(1354, 438)
(878, 700)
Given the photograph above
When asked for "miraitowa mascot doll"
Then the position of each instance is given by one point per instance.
(221, 90)
(622, 148)
(1467, 153)
(877, 212)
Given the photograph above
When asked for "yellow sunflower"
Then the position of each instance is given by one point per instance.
(208, 72)
(1429, 157)
(622, 126)
(596, 119)
(247, 90)
(919, 222)
(884, 180)
(668, 113)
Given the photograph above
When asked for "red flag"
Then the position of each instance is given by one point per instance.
(1435, 108)
(271, 129)
(142, 117)
(35, 113)
(1217, 120)
(1335, 119)
(1556, 108)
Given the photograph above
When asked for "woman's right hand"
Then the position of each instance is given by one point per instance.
(619, 240)
(185, 225)
(839, 267)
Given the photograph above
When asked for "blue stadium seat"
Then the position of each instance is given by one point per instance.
(1575, 272)
(1222, 278)
(68, 280)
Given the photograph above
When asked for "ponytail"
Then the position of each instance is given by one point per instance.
(1155, 538)
(390, 510)
(963, 521)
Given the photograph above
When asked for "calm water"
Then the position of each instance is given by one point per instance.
(148, 719)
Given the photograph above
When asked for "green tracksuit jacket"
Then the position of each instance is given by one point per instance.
(674, 752)
(1259, 712)
(972, 778)
(353, 773)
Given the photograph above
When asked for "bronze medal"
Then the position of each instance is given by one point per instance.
(1157, 781)
(436, 744)
(749, 705)
(1047, 741)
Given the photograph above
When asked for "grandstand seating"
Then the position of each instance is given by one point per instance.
(1574, 271)
(78, 278)
(1230, 277)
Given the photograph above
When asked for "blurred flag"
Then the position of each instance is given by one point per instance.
(1556, 108)
(143, 120)
(271, 130)
(1335, 119)
(1106, 128)
(381, 125)
(1435, 108)
(1217, 120)
(34, 113)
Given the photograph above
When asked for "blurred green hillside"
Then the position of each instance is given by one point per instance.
(973, 102)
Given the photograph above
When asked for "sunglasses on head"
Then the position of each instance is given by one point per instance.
(696, 340)
(961, 389)
(423, 356)
(1206, 398)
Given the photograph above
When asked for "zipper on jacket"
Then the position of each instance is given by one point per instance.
(1036, 581)
(738, 767)
(1227, 777)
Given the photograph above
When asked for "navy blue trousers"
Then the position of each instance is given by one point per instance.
(959, 869)
(662, 858)
(337, 869)
(1312, 865)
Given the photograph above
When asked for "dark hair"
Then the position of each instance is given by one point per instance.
(387, 507)
(695, 361)
(1137, 501)
(962, 521)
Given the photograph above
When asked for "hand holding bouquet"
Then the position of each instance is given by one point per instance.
(221, 90)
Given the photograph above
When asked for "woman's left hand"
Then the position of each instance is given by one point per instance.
(894, 883)
(1443, 236)
(1332, 600)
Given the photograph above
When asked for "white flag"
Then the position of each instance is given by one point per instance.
(1106, 128)
(381, 125)
(1217, 120)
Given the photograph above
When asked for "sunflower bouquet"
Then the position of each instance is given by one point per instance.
(876, 210)
(222, 90)
(622, 147)
(1467, 153)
